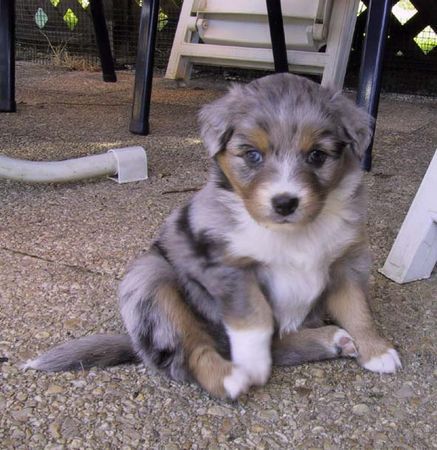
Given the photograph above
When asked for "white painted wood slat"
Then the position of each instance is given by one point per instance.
(414, 252)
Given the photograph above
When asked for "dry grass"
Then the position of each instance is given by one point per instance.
(61, 57)
(73, 62)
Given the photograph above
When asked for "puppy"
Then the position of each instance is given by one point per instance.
(242, 276)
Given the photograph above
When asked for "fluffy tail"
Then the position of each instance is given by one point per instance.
(90, 351)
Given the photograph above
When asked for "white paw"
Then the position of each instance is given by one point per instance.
(344, 344)
(259, 371)
(236, 383)
(388, 362)
(251, 352)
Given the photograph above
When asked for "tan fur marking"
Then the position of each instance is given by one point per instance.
(348, 306)
(223, 160)
(307, 139)
(259, 139)
(210, 369)
(312, 203)
(205, 364)
(305, 336)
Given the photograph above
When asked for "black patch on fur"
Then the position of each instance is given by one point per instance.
(222, 180)
(183, 222)
(351, 142)
(201, 244)
(264, 287)
(201, 288)
(225, 138)
(161, 250)
(204, 246)
(3, 359)
(263, 125)
(146, 335)
(339, 149)
(161, 358)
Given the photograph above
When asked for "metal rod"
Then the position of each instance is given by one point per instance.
(7, 56)
(369, 85)
(277, 35)
(102, 39)
(139, 123)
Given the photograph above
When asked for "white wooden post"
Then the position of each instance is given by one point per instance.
(338, 45)
(179, 66)
(414, 252)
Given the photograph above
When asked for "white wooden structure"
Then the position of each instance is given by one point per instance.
(236, 33)
(414, 252)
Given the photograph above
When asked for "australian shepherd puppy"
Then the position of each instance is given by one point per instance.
(242, 276)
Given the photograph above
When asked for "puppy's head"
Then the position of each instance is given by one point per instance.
(282, 143)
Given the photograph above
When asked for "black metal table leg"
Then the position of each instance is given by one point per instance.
(277, 35)
(7, 56)
(369, 85)
(139, 123)
(102, 38)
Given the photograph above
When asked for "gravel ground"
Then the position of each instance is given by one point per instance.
(63, 249)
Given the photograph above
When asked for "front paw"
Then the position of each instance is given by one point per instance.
(237, 383)
(242, 378)
(259, 370)
(251, 352)
(387, 362)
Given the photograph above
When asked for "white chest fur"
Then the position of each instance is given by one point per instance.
(294, 263)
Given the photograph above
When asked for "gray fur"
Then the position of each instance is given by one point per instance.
(90, 351)
(192, 250)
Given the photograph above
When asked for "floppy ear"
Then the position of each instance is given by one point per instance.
(215, 121)
(355, 123)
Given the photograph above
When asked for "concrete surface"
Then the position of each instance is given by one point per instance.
(64, 247)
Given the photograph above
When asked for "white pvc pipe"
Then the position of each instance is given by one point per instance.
(129, 163)
(57, 171)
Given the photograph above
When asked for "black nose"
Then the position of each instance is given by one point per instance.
(284, 204)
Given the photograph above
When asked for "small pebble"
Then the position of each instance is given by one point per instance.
(55, 430)
(54, 389)
(268, 414)
(42, 335)
(361, 409)
(219, 411)
(405, 391)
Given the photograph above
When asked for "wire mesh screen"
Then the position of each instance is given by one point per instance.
(410, 58)
(61, 31)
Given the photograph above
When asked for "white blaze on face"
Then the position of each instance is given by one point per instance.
(285, 182)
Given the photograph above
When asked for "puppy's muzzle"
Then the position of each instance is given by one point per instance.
(285, 204)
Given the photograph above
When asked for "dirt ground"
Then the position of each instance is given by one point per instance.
(63, 249)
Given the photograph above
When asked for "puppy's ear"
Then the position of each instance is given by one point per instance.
(216, 119)
(355, 124)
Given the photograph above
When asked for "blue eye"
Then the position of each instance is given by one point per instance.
(253, 157)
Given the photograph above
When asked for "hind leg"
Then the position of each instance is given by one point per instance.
(167, 334)
(312, 344)
(347, 305)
